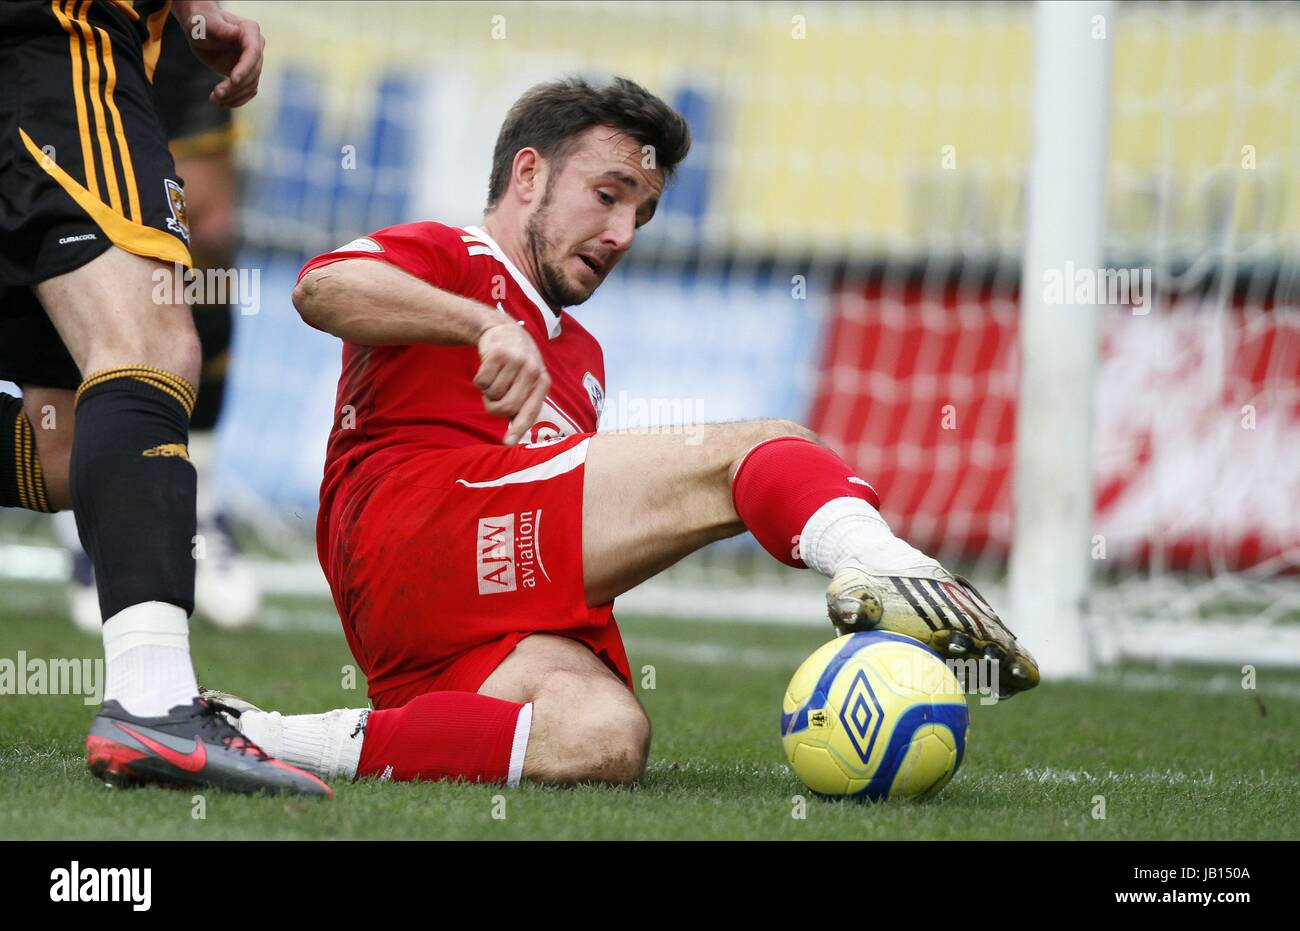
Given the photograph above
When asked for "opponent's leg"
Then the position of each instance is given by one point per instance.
(131, 483)
(133, 493)
(35, 446)
(97, 230)
(35, 475)
(650, 499)
(226, 592)
(50, 412)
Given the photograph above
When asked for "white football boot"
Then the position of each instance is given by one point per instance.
(930, 604)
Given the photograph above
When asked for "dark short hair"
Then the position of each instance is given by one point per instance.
(549, 117)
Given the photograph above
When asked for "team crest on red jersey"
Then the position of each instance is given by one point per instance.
(596, 392)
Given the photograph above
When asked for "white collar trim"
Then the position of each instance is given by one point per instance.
(551, 317)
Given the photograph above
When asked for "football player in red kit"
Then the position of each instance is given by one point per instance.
(475, 528)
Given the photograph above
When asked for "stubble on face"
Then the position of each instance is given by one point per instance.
(554, 287)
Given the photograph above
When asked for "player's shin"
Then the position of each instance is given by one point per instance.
(806, 507)
(442, 735)
(448, 735)
(133, 492)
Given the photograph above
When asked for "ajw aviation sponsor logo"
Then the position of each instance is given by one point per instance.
(507, 552)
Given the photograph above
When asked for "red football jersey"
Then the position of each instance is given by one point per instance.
(394, 401)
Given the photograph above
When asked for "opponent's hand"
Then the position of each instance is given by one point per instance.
(228, 44)
(512, 377)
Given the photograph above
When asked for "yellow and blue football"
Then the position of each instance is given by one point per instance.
(874, 715)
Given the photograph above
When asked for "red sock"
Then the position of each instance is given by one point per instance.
(782, 482)
(447, 735)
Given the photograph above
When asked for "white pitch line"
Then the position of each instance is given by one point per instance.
(1143, 777)
(1040, 776)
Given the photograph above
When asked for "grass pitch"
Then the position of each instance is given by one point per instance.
(1170, 753)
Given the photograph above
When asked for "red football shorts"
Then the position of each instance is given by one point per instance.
(456, 556)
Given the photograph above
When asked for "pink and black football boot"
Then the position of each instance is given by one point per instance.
(193, 745)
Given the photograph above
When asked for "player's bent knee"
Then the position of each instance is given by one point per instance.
(780, 428)
(615, 744)
(760, 432)
(589, 733)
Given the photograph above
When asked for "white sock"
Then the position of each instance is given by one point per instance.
(328, 745)
(147, 664)
(848, 529)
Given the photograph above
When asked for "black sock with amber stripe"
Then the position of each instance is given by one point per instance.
(21, 483)
(133, 487)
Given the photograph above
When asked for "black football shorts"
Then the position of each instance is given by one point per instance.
(84, 162)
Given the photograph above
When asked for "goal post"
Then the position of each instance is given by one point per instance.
(1053, 482)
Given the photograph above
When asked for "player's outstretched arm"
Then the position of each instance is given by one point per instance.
(228, 44)
(374, 304)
